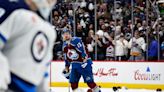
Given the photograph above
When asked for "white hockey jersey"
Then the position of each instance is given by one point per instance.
(27, 41)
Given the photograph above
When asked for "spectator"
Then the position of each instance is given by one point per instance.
(121, 48)
(90, 43)
(99, 39)
(81, 33)
(152, 47)
(85, 17)
(162, 50)
(137, 47)
(110, 48)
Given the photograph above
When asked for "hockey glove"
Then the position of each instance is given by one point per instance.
(66, 73)
(85, 63)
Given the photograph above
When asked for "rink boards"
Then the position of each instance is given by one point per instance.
(149, 75)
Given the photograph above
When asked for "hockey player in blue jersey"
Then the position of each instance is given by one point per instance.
(76, 56)
(26, 43)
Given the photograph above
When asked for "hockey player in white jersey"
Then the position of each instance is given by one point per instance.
(26, 42)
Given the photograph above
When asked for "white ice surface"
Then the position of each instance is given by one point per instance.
(64, 89)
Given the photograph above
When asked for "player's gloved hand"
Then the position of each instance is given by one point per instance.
(85, 63)
(66, 73)
(4, 74)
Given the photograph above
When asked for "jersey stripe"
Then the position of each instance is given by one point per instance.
(3, 38)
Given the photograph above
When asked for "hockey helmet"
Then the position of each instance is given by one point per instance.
(45, 7)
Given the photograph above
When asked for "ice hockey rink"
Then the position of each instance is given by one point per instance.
(138, 77)
(117, 16)
(66, 89)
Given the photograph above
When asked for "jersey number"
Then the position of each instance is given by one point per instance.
(79, 45)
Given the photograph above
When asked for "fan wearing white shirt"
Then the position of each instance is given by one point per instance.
(137, 47)
(121, 48)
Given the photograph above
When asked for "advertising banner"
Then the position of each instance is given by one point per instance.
(151, 73)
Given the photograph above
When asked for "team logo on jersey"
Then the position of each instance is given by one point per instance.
(39, 46)
(72, 54)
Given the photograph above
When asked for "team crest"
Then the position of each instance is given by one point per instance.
(72, 54)
(39, 46)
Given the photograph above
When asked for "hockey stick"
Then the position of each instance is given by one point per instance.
(69, 85)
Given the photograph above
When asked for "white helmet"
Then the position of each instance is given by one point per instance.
(45, 6)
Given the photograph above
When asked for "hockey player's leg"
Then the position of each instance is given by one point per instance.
(88, 78)
(78, 90)
(94, 87)
(75, 88)
(74, 80)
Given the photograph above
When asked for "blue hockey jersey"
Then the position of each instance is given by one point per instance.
(74, 51)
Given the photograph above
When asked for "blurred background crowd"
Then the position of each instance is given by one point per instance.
(113, 29)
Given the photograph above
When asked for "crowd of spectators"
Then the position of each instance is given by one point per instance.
(117, 36)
